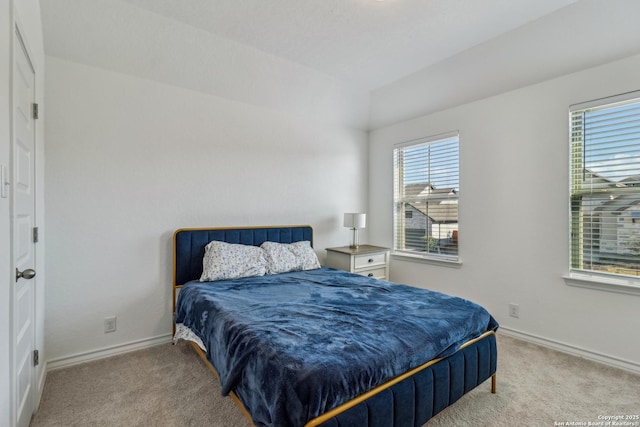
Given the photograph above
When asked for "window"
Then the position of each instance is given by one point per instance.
(605, 186)
(426, 189)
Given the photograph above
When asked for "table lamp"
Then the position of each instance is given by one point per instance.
(355, 221)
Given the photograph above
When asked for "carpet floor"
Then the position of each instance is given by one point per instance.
(170, 386)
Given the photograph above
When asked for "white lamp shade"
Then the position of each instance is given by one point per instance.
(355, 220)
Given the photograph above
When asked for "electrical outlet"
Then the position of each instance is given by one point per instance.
(514, 310)
(109, 324)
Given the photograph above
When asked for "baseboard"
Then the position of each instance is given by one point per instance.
(76, 359)
(573, 350)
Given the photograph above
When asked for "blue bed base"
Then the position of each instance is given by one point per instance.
(410, 402)
(415, 400)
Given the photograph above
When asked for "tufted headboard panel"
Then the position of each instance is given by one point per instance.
(189, 243)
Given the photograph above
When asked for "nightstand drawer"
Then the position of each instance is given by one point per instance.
(369, 260)
(365, 260)
(377, 273)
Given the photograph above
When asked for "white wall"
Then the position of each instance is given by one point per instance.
(514, 241)
(118, 36)
(130, 160)
(27, 15)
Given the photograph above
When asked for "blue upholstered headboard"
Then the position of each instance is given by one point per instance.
(189, 243)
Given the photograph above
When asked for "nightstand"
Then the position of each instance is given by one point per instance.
(366, 260)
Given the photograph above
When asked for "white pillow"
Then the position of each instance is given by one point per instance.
(231, 261)
(279, 258)
(305, 255)
(282, 257)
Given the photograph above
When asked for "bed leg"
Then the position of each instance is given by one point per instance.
(493, 384)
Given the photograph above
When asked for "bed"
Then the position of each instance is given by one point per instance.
(315, 347)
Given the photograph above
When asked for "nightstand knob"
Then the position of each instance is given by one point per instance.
(370, 275)
(370, 259)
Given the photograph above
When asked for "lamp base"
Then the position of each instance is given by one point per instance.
(355, 242)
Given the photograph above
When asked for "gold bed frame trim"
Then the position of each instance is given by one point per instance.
(356, 400)
(359, 399)
(338, 409)
(233, 394)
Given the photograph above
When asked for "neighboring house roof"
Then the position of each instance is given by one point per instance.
(424, 189)
(632, 181)
(593, 179)
(415, 209)
(620, 202)
(418, 189)
(443, 211)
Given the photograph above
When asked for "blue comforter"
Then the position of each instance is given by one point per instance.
(293, 346)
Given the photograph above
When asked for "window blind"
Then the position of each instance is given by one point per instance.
(605, 186)
(426, 191)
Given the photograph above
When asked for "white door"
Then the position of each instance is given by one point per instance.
(22, 228)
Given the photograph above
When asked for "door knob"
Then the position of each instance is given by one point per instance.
(26, 274)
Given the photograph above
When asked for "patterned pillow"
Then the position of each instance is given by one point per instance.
(279, 258)
(282, 258)
(306, 256)
(231, 261)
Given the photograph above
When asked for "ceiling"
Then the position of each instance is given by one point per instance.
(359, 63)
(368, 42)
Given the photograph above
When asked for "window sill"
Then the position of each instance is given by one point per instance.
(442, 261)
(619, 285)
